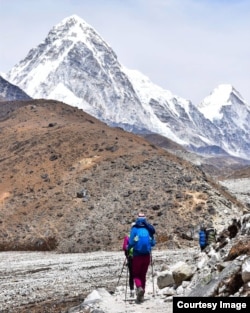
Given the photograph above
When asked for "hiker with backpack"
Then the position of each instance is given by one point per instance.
(141, 240)
(202, 238)
(129, 257)
(211, 234)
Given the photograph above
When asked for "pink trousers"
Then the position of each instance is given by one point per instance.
(140, 268)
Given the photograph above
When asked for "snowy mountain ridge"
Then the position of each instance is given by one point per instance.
(75, 65)
(11, 92)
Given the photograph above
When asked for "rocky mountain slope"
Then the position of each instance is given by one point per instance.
(71, 183)
(220, 167)
(10, 92)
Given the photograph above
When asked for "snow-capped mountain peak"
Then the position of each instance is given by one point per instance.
(72, 27)
(75, 65)
(222, 95)
(75, 29)
(73, 19)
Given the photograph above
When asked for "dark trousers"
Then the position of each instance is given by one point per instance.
(203, 247)
(130, 271)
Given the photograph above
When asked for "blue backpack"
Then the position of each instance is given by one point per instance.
(142, 241)
(202, 238)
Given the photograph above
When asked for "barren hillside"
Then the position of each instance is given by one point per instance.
(70, 183)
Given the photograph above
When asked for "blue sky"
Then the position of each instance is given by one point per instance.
(186, 46)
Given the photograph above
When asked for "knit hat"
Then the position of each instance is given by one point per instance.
(141, 215)
(141, 219)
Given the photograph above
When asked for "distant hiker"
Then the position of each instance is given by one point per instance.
(202, 237)
(234, 228)
(129, 256)
(211, 234)
(141, 240)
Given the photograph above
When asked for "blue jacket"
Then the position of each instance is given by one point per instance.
(141, 222)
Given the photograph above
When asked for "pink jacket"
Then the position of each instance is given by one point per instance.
(125, 243)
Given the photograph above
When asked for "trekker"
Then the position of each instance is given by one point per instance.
(141, 240)
(202, 238)
(211, 234)
(129, 257)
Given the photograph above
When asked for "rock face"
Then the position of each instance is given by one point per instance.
(71, 183)
(226, 269)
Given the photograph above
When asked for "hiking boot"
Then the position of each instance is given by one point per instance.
(139, 294)
(132, 293)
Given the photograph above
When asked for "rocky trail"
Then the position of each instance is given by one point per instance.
(50, 282)
(97, 282)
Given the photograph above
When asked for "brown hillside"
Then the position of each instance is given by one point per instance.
(69, 182)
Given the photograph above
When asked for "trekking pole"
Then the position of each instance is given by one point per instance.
(126, 285)
(121, 272)
(151, 261)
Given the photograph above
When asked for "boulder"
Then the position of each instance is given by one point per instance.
(182, 272)
(165, 279)
(245, 270)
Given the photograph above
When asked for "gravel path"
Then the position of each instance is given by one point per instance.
(33, 278)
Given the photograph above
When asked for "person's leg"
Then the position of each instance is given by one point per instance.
(140, 267)
(144, 268)
(130, 269)
(136, 270)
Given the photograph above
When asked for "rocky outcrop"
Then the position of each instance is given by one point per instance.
(216, 272)
(221, 270)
